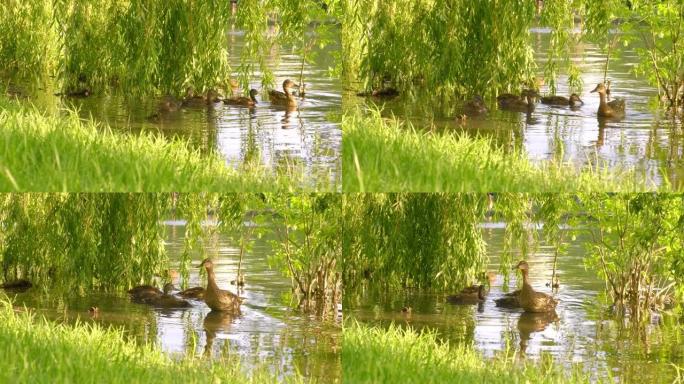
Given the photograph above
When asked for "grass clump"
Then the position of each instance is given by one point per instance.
(396, 355)
(41, 152)
(40, 351)
(386, 155)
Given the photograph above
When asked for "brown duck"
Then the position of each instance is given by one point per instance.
(20, 285)
(388, 92)
(144, 292)
(218, 299)
(573, 101)
(509, 300)
(243, 101)
(166, 299)
(530, 300)
(468, 296)
(475, 106)
(523, 103)
(285, 98)
(609, 109)
(193, 293)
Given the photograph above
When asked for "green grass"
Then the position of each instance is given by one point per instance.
(396, 355)
(39, 351)
(41, 152)
(387, 155)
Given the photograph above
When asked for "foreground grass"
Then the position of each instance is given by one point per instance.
(381, 155)
(41, 152)
(395, 355)
(39, 351)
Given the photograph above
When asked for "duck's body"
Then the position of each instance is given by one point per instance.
(243, 101)
(388, 92)
(17, 285)
(573, 101)
(509, 300)
(219, 299)
(531, 300)
(609, 109)
(193, 99)
(165, 299)
(144, 292)
(285, 98)
(475, 107)
(193, 293)
(523, 103)
(469, 295)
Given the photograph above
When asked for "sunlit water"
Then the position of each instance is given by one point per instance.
(646, 139)
(269, 333)
(309, 137)
(583, 333)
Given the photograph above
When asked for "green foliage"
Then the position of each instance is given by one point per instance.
(396, 355)
(87, 353)
(42, 152)
(391, 156)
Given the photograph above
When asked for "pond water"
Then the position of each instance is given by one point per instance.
(646, 138)
(269, 332)
(583, 332)
(309, 137)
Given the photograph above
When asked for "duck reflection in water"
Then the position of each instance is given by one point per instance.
(530, 323)
(215, 322)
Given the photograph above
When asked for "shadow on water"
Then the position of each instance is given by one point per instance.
(580, 331)
(269, 331)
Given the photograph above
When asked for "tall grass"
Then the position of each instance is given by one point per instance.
(387, 155)
(396, 355)
(41, 152)
(38, 351)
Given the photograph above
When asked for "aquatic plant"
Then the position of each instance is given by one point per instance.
(50, 352)
(44, 152)
(372, 354)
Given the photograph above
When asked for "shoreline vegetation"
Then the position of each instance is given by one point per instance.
(389, 155)
(392, 355)
(43, 152)
(41, 351)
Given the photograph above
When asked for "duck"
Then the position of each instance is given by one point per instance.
(240, 281)
(468, 296)
(243, 101)
(79, 93)
(387, 92)
(145, 292)
(20, 285)
(218, 299)
(609, 109)
(531, 300)
(193, 99)
(193, 293)
(166, 299)
(285, 98)
(573, 101)
(475, 106)
(509, 300)
(523, 103)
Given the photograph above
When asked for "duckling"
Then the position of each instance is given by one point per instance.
(218, 299)
(475, 106)
(167, 300)
(530, 300)
(193, 293)
(509, 300)
(612, 109)
(285, 99)
(524, 103)
(242, 101)
(573, 101)
(467, 296)
(20, 285)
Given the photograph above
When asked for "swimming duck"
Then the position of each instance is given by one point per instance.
(145, 292)
(193, 293)
(523, 103)
(609, 109)
(218, 299)
(285, 98)
(573, 101)
(468, 296)
(20, 285)
(387, 92)
(509, 300)
(166, 299)
(530, 300)
(475, 106)
(243, 101)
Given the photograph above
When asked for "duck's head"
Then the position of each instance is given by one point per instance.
(575, 99)
(287, 84)
(207, 264)
(168, 288)
(522, 265)
(600, 88)
(253, 93)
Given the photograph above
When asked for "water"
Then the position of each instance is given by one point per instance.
(583, 332)
(268, 333)
(309, 137)
(646, 139)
